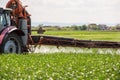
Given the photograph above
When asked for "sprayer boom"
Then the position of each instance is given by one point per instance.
(70, 42)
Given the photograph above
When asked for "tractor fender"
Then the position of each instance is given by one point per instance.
(9, 30)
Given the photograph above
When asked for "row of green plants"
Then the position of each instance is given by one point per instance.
(60, 66)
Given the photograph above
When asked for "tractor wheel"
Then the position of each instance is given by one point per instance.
(11, 44)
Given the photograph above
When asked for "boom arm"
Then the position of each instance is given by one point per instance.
(61, 41)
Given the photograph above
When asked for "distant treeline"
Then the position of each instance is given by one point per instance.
(81, 27)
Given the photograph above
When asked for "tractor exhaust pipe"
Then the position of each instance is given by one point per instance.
(23, 26)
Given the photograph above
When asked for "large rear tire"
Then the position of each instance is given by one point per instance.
(11, 44)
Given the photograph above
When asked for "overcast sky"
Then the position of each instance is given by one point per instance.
(73, 11)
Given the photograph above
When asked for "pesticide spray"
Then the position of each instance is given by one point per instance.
(53, 49)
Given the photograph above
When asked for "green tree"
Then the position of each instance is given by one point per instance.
(75, 27)
(83, 27)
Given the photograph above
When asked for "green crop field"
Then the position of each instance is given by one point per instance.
(89, 35)
(60, 66)
(64, 66)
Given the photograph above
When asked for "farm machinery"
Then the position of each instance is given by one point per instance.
(16, 37)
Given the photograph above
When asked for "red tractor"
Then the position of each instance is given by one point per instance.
(15, 33)
(15, 26)
(12, 38)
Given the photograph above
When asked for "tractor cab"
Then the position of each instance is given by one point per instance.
(5, 19)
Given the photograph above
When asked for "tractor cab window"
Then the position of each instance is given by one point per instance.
(5, 20)
(8, 19)
(2, 20)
